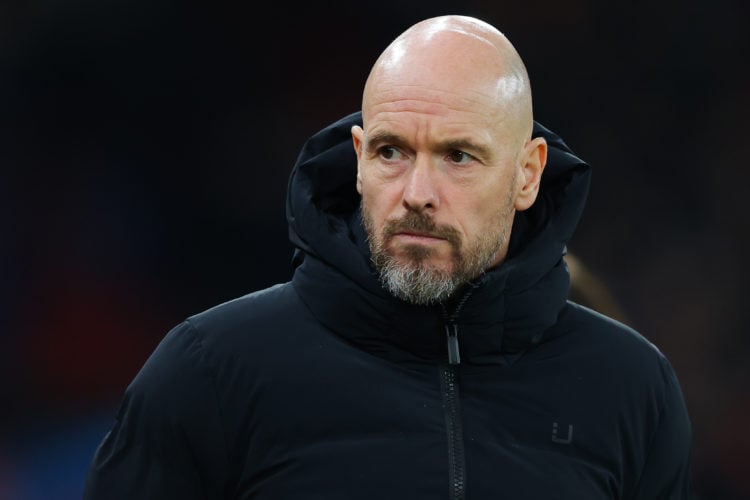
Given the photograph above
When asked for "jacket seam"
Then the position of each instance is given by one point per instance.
(652, 438)
(212, 376)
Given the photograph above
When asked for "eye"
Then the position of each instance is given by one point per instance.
(460, 157)
(389, 153)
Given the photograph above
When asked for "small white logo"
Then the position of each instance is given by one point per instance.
(562, 440)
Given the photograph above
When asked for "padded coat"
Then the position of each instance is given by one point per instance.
(327, 387)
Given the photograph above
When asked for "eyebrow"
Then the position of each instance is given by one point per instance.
(462, 144)
(383, 137)
(466, 145)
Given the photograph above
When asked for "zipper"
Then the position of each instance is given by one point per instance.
(456, 466)
(451, 328)
(451, 407)
(451, 334)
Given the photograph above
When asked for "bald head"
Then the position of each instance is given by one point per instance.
(445, 156)
(459, 56)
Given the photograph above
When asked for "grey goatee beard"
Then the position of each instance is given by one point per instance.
(416, 281)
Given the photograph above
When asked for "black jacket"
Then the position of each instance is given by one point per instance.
(329, 388)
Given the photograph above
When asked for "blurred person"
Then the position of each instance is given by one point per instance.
(424, 347)
(588, 289)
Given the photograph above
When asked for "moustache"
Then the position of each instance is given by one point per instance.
(420, 223)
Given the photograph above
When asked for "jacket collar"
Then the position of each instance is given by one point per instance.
(505, 311)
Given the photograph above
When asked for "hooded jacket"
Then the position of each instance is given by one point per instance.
(328, 387)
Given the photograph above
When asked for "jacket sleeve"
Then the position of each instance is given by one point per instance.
(666, 474)
(167, 439)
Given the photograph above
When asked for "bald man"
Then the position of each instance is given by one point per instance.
(424, 347)
(447, 158)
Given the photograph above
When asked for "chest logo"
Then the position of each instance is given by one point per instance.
(556, 438)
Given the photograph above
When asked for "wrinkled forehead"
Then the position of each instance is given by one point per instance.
(452, 63)
(469, 80)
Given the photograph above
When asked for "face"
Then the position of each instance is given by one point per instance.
(444, 159)
(439, 181)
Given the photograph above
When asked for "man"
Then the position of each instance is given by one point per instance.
(423, 348)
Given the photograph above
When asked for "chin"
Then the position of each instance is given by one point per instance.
(431, 264)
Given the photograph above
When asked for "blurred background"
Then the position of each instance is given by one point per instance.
(145, 148)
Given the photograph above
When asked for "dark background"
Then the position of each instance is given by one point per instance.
(145, 148)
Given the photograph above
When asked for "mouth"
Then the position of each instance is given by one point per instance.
(417, 237)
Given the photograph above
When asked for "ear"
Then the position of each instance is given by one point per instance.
(357, 138)
(532, 162)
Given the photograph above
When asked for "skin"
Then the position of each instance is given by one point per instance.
(446, 135)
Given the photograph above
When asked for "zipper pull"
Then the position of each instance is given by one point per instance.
(451, 331)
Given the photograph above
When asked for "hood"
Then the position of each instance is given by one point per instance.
(506, 310)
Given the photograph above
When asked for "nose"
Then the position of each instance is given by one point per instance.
(420, 191)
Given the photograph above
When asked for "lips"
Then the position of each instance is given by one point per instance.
(417, 236)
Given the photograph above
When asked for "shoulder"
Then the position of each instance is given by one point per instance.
(636, 394)
(597, 329)
(202, 342)
(271, 304)
(254, 323)
(622, 364)
(209, 353)
(613, 347)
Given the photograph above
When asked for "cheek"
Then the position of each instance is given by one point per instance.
(372, 211)
(486, 214)
(381, 200)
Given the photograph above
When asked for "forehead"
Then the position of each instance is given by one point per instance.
(447, 81)
(434, 113)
